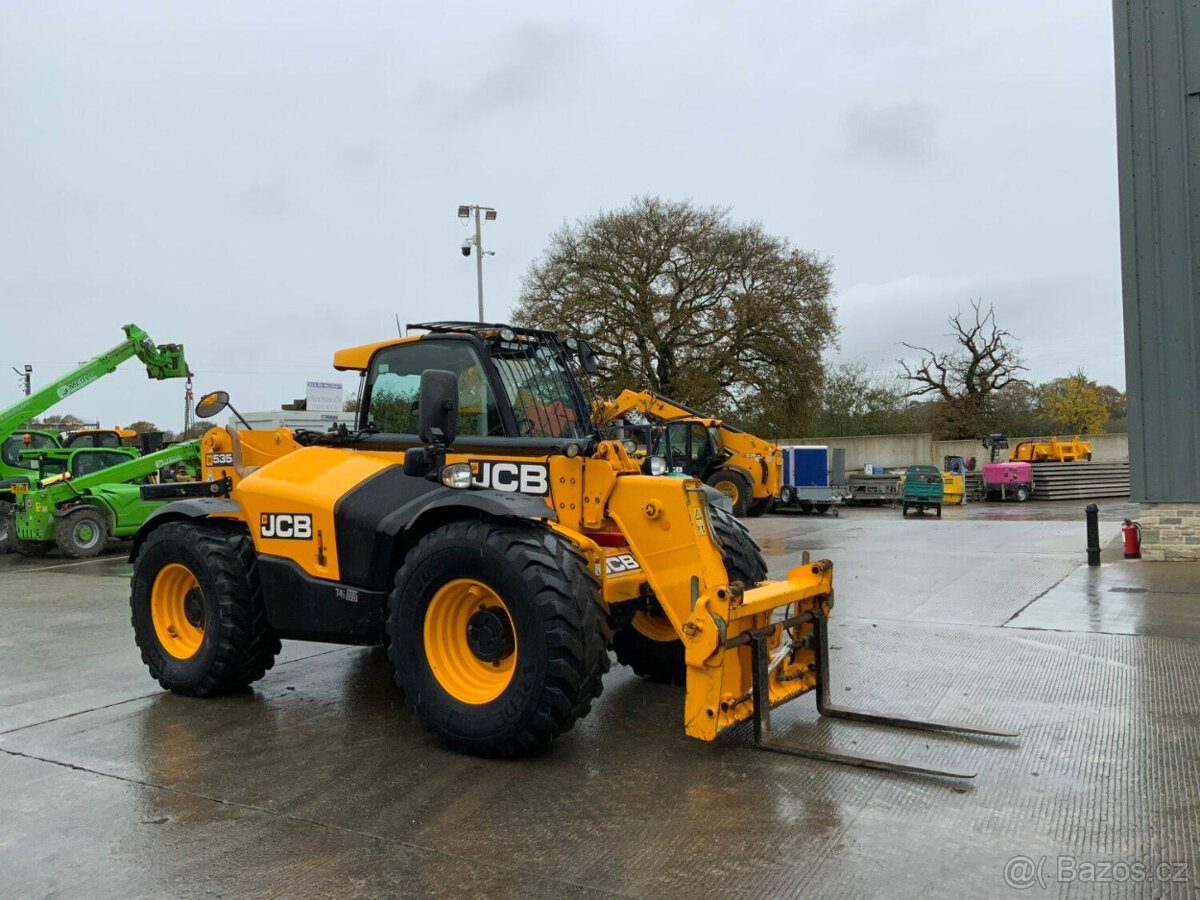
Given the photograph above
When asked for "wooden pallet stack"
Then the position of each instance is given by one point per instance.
(1079, 480)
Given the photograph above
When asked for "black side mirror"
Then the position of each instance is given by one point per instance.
(212, 404)
(437, 415)
(587, 358)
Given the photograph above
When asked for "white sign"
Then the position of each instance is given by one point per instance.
(323, 396)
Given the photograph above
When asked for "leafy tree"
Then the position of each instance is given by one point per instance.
(1015, 410)
(682, 300)
(1074, 404)
(141, 426)
(197, 430)
(1118, 408)
(854, 401)
(965, 380)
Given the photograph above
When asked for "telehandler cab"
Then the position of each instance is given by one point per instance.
(745, 468)
(476, 523)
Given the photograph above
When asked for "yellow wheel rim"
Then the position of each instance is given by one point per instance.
(729, 489)
(470, 641)
(657, 628)
(177, 609)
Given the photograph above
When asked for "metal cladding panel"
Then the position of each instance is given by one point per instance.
(1158, 135)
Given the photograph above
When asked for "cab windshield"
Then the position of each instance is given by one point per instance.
(395, 386)
(540, 390)
(10, 450)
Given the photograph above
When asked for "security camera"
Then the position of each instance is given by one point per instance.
(466, 247)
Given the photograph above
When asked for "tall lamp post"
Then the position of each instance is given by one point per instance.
(465, 212)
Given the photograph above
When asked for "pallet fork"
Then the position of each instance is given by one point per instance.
(765, 740)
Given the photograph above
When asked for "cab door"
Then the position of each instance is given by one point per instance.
(688, 449)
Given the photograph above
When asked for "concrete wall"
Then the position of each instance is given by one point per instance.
(877, 449)
(898, 450)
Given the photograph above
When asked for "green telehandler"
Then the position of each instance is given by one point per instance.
(89, 495)
(20, 444)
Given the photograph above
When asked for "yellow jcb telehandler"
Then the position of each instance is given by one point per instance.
(746, 469)
(475, 522)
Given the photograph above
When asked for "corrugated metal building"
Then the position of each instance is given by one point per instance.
(1158, 132)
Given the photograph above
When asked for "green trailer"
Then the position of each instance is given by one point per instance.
(89, 495)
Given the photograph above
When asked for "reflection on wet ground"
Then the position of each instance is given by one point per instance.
(318, 782)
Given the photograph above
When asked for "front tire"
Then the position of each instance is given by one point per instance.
(1022, 494)
(197, 610)
(498, 636)
(82, 533)
(649, 645)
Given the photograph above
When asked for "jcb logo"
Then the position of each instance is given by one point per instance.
(286, 526)
(524, 478)
(620, 563)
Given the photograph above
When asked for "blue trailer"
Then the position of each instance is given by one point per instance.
(814, 478)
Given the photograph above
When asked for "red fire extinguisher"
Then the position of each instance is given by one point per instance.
(1131, 534)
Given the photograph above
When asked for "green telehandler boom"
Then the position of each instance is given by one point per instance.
(161, 360)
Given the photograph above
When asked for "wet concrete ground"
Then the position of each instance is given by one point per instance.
(318, 783)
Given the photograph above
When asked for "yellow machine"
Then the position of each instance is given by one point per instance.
(98, 437)
(953, 491)
(746, 469)
(477, 524)
(1052, 450)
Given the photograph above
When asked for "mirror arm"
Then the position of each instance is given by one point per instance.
(239, 418)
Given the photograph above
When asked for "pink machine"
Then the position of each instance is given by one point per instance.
(1008, 480)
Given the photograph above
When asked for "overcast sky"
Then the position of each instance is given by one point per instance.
(267, 182)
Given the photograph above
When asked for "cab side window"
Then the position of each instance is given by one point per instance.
(85, 462)
(395, 385)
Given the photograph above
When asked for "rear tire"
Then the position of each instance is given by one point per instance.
(939, 512)
(197, 610)
(7, 528)
(82, 533)
(760, 507)
(30, 549)
(735, 486)
(1022, 494)
(544, 650)
(646, 650)
(822, 508)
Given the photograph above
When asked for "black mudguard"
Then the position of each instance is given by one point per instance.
(386, 512)
(196, 508)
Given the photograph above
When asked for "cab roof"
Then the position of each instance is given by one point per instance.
(358, 358)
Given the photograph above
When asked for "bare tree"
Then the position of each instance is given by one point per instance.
(965, 379)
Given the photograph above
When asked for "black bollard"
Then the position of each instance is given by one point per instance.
(1092, 512)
